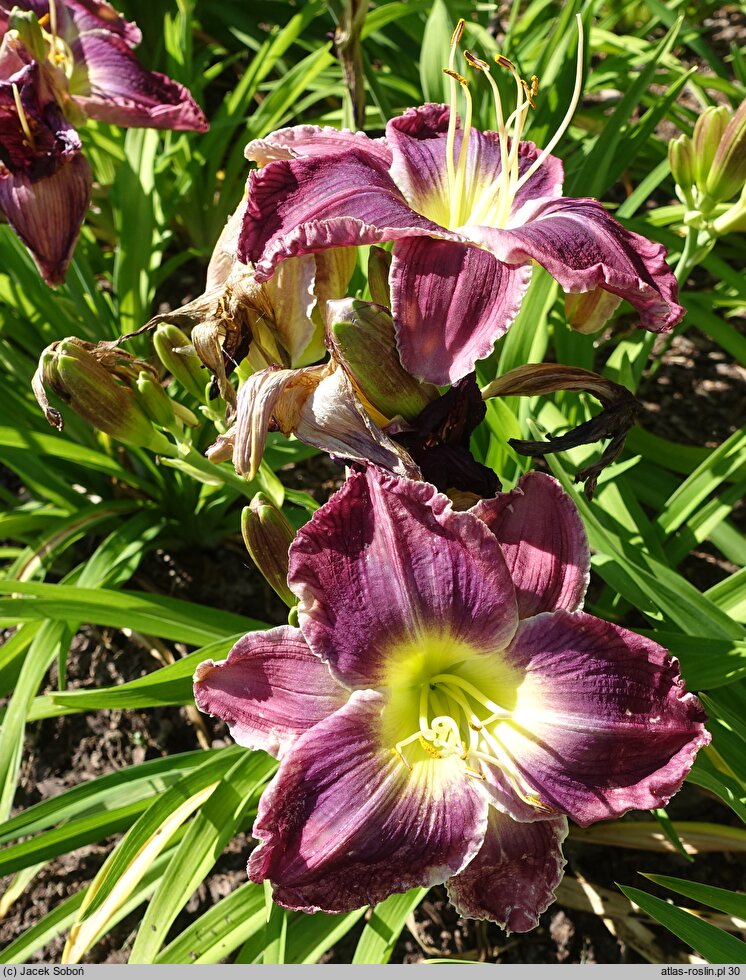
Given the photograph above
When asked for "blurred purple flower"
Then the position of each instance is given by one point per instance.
(445, 705)
(60, 62)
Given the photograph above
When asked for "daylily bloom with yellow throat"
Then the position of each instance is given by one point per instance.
(445, 704)
(468, 212)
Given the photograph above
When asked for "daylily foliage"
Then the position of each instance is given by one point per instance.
(445, 704)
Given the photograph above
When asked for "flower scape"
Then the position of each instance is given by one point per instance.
(441, 707)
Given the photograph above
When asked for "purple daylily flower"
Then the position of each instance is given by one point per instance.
(90, 45)
(468, 212)
(71, 59)
(445, 704)
(45, 181)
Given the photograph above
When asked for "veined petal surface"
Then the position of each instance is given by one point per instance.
(269, 691)
(451, 302)
(345, 824)
(110, 84)
(583, 247)
(312, 141)
(386, 563)
(544, 542)
(513, 877)
(310, 204)
(602, 723)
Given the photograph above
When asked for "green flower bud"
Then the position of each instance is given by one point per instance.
(727, 175)
(268, 535)
(681, 162)
(708, 130)
(379, 266)
(155, 401)
(26, 24)
(92, 392)
(174, 349)
(362, 337)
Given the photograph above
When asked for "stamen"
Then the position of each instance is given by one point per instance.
(568, 115)
(53, 18)
(44, 20)
(450, 140)
(500, 122)
(457, 189)
(471, 690)
(22, 117)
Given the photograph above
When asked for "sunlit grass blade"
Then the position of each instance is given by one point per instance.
(384, 927)
(715, 945)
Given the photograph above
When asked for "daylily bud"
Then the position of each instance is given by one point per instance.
(92, 392)
(362, 337)
(681, 162)
(155, 401)
(174, 349)
(588, 312)
(268, 536)
(379, 266)
(727, 175)
(26, 25)
(707, 134)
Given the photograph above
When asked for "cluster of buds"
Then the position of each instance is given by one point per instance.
(710, 169)
(116, 393)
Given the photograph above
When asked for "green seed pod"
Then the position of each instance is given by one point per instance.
(727, 175)
(268, 535)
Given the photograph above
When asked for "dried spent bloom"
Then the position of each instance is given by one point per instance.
(444, 704)
(468, 212)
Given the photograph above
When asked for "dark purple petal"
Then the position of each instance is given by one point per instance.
(47, 215)
(418, 144)
(602, 724)
(53, 139)
(344, 823)
(110, 84)
(269, 691)
(583, 247)
(513, 877)
(543, 541)
(451, 302)
(387, 563)
(313, 141)
(89, 15)
(310, 204)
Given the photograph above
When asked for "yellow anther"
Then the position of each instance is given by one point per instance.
(475, 62)
(458, 32)
(44, 20)
(454, 74)
(22, 117)
(534, 85)
(430, 749)
(504, 62)
(529, 94)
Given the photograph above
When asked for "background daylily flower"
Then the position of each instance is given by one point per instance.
(45, 181)
(61, 61)
(468, 212)
(445, 704)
